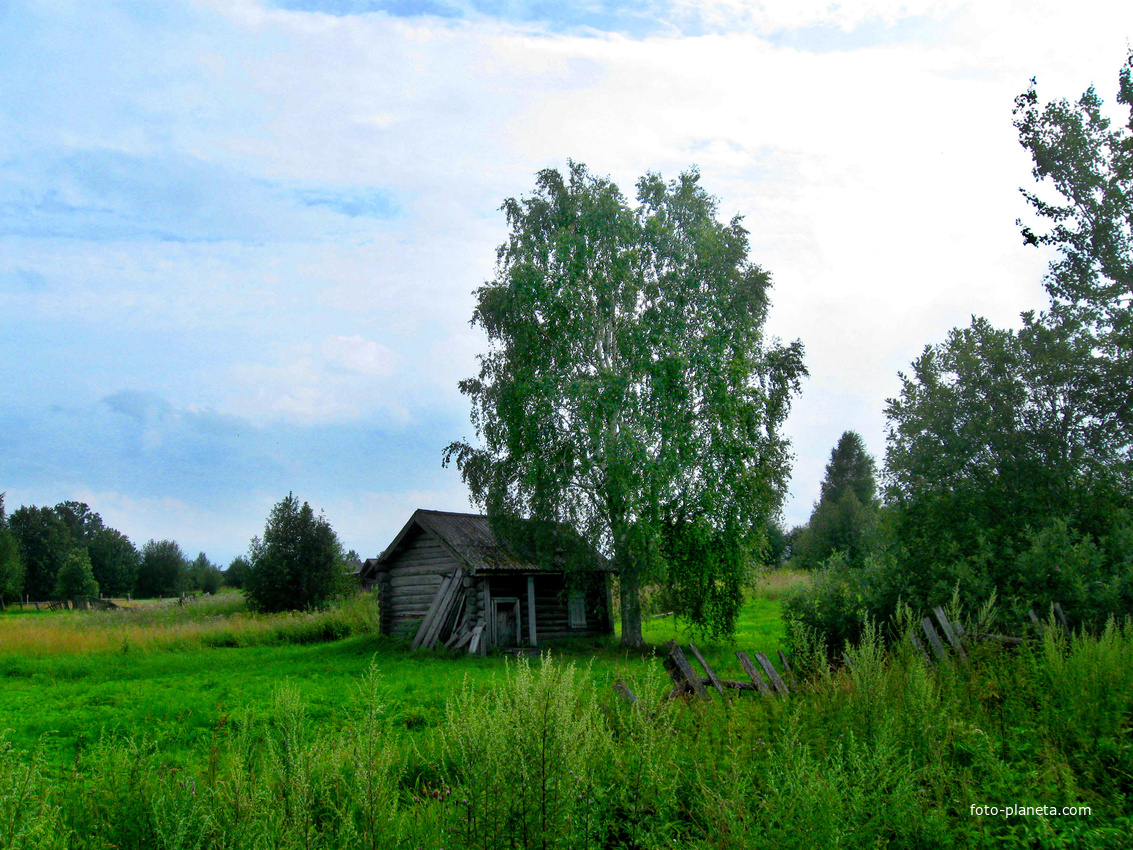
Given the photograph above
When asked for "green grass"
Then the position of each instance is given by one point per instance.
(290, 739)
(177, 672)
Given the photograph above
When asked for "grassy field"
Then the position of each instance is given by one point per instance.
(177, 672)
(208, 727)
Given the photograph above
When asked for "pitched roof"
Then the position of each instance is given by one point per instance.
(470, 539)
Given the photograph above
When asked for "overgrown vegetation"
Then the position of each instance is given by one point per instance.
(1009, 464)
(546, 755)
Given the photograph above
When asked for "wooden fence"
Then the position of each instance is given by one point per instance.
(688, 682)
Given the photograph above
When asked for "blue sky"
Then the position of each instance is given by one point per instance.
(238, 239)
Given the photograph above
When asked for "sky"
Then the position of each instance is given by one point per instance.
(239, 239)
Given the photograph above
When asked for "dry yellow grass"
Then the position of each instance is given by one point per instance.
(773, 584)
(147, 625)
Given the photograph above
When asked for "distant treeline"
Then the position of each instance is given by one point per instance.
(68, 551)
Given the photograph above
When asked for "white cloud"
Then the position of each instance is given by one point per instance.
(357, 354)
(879, 186)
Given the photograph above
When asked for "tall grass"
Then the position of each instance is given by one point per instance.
(218, 621)
(893, 753)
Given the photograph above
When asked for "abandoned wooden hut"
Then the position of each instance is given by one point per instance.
(447, 580)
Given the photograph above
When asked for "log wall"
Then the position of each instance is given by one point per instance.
(408, 587)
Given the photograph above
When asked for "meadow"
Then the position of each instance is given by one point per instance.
(207, 726)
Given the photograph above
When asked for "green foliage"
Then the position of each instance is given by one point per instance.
(525, 757)
(1009, 457)
(705, 578)
(29, 819)
(298, 564)
(44, 544)
(162, 571)
(75, 577)
(628, 388)
(114, 561)
(237, 573)
(846, 517)
(892, 753)
(850, 468)
(203, 575)
(11, 565)
(1089, 219)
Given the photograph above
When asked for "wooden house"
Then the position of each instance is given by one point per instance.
(446, 579)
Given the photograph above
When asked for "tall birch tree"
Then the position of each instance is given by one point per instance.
(628, 392)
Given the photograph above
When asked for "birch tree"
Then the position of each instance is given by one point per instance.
(628, 392)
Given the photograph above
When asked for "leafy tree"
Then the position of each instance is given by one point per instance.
(628, 392)
(163, 570)
(298, 564)
(11, 567)
(237, 573)
(115, 561)
(82, 523)
(845, 518)
(1009, 458)
(1089, 219)
(75, 577)
(44, 544)
(113, 557)
(204, 575)
(990, 440)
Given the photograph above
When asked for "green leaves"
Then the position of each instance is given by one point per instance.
(299, 562)
(627, 382)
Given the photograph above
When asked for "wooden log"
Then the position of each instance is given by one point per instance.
(769, 669)
(788, 672)
(933, 639)
(680, 670)
(752, 673)
(1007, 640)
(950, 633)
(712, 677)
(1036, 621)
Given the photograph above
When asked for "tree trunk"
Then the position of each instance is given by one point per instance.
(629, 589)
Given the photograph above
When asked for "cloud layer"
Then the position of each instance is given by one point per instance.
(239, 240)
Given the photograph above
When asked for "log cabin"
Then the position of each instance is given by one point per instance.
(447, 580)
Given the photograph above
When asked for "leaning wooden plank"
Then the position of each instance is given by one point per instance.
(455, 615)
(680, 670)
(1061, 615)
(1035, 619)
(753, 674)
(946, 627)
(462, 628)
(933, 639)
(769, 669)
(443, 611)
(920, 647)
(431, 613)
(737, 686)
(623, 689)
(474, 638)
(712, 677)
(788, 672)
